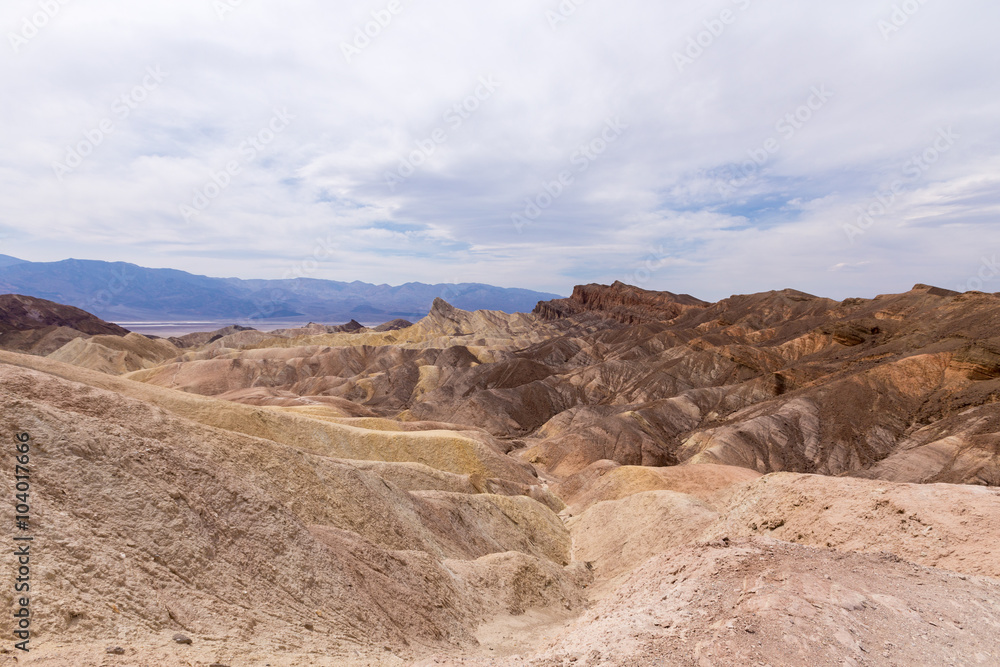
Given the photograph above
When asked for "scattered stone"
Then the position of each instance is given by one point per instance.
(182, 639)
(115, 650)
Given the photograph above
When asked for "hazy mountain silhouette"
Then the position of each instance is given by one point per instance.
(122, 291)
(7, 260)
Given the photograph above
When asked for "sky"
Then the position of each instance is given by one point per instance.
(710, 148)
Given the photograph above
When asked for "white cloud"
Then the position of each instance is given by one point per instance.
(653, 197)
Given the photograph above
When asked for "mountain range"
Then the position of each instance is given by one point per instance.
(119, 291)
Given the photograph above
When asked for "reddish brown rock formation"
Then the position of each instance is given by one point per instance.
(480, 488)
(38, 326)
(775, 381)
(620, 302)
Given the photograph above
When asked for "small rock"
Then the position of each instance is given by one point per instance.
(309, 626)
(181, 639)
(115, 650)
(218, 664)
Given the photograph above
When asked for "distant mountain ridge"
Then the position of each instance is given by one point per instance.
(119, 291)
(7, 260)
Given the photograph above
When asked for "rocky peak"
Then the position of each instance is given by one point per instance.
(441, 306)
(23, 313)
(619, 301)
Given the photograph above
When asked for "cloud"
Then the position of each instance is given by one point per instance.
(728, 176)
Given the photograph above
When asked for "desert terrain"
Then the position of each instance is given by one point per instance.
(623, 477)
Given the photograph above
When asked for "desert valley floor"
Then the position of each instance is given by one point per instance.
(623, 477)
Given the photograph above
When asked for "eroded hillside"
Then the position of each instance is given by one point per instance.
(621, 478)
(900, 387)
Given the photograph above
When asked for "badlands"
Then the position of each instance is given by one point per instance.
(623, 477)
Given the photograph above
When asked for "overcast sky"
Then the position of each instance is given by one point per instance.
(711, 148)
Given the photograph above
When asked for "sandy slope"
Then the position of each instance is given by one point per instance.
(762, 602)
(477, 489)
(116, 355)
(151, 523)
